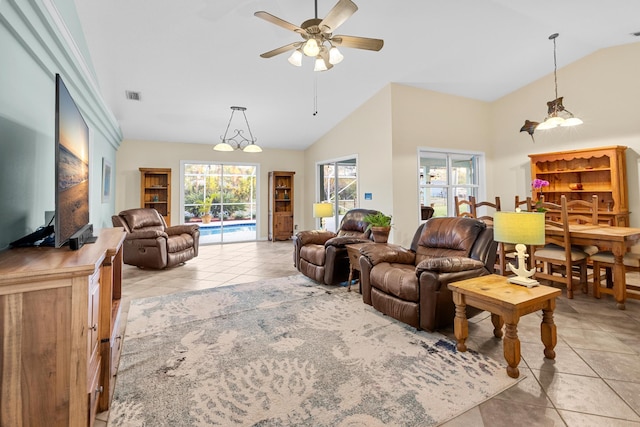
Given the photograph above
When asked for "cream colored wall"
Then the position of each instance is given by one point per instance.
(426, 119)
(136, 154)
(603, 89)
(365, 134)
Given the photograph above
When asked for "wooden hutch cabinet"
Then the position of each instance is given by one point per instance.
(59, 332)
(155, 191)
(280, 205)
(579, 174)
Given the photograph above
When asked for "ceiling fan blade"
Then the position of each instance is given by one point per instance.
(336, 16)
(280, 50)
(358, 42)
(279, 22)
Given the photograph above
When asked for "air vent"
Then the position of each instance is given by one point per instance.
(133, 96)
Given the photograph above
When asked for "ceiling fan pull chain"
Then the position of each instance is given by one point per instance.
(315, 95)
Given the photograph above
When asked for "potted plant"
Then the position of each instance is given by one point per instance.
(205, 212)
(380, 226)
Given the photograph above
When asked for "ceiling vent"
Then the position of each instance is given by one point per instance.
(133, 96)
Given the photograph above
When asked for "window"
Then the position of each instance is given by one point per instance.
(444, 175)
(338, 184)
(222, 198)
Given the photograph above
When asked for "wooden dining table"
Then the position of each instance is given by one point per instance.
(615, 239)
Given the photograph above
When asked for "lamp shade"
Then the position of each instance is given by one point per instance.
(526, 228)
(322, 210)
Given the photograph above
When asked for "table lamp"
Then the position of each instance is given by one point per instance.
(520, 228)
(322, 210)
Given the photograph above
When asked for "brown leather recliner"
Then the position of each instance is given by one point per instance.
(322, 255)
(150, 243)
(410, 285)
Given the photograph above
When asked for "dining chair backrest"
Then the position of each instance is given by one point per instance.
(463, 207)
(556, 216)
(479, 210)
(526, 204)
(582, 211)
(484, 210)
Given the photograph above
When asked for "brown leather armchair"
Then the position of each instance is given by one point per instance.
(410, 285)
(150, 243)
(322, 255)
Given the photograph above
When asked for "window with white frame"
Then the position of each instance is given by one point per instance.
(444, 175)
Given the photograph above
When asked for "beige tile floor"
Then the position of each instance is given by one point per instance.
(594, 380)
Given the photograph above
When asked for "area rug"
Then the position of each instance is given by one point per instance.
(289, 352)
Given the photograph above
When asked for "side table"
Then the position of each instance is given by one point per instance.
(353, 251)
(506, 303)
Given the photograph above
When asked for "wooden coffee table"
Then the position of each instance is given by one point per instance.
(506, 303)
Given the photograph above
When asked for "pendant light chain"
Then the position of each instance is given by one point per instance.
(555, 63)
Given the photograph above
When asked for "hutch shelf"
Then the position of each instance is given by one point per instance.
(280, 205)
(579, 174)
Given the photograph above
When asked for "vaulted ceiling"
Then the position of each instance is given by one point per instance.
(191, 60)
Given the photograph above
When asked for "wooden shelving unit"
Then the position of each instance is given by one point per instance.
(155, 190)
(280, 205)
(579, 174)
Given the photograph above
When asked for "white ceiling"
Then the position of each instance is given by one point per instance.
(193, 59)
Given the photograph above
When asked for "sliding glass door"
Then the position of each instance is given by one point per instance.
(222, 198)
(338, 184)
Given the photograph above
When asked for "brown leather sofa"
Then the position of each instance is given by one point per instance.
(322, 255)
(410, 285)
(150, 243)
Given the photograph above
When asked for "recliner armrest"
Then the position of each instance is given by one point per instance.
(314, 237)
(146, 234)
(345, 240)
(448, 265)
(377, 253)
(182, 229)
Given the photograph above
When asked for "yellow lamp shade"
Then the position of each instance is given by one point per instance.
(519, 227)
(322, 210)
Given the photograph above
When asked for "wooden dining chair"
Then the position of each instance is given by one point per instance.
(605, 260)
(557, 259)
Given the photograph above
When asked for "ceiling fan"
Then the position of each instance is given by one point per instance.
(318, 39)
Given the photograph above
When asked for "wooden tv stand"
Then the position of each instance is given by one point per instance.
(59, 320)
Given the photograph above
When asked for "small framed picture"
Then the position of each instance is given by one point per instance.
(106, 180)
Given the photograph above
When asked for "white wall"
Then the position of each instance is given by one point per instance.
(38, 40)
(133, 155)
(603, 89)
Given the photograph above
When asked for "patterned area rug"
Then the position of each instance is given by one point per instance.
(289, 352)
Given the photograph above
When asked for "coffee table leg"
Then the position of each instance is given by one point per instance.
(548, 331)
(350, 278)
(460, 323)
(512, 349)
(498, 323)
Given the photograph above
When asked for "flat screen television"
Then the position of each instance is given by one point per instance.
(72, 167)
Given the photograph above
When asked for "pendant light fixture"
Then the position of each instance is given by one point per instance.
(238, 141)
(557, 114)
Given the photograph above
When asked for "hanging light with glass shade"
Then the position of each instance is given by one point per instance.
(238, 141)
(557, 114)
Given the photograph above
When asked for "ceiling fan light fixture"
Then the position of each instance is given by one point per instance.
(311, 47)
(335, 56)
(320, 65)
(296, 58)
